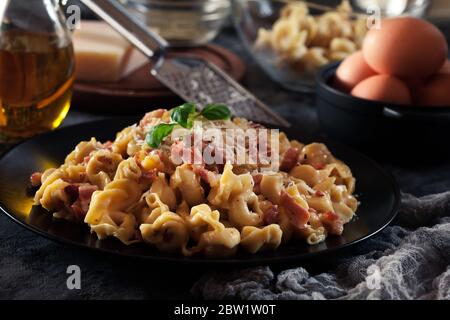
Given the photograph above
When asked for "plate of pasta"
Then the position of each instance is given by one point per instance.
(195, 186)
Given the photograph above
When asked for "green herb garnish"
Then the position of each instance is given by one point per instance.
(216, 112)
(158, 133)
(184, 116)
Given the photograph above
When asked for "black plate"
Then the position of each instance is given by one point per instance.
(376, 189)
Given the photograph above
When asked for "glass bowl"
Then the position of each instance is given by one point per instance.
(182, 22)
(291, 41)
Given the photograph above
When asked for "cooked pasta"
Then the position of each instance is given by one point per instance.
(306, 42)
(135, 191)
(255, 239)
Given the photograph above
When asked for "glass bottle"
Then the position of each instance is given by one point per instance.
(36, 68)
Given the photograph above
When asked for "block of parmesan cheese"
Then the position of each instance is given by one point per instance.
(102, 55)
(135, 60)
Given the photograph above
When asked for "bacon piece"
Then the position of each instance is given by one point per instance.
(35, 179)
(207, 177)
(80, 198)
(319, 193)
(255, 125)
(148, 175)
(312, 210)
(107, 145)
(299, 215)
(257, 178)
(319, 165)
(151, 116)
(203, 173)
(332, 223)
(215, 168)
(271, 215)
(167, 165)
(105, 160)
(290, 159)
(77, 212)
(72, 192)
(137, 158)
(85, 194)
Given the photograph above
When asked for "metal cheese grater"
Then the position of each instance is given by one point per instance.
(192, 79)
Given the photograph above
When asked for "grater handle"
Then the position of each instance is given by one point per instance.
(115, 14)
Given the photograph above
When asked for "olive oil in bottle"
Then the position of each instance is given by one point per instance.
(36, 77)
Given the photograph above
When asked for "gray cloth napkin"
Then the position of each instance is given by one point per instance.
(408, 260)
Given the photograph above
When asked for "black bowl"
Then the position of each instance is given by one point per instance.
(381, 129)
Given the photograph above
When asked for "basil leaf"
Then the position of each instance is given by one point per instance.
(216, 112)
(158, 133)
(181, 115)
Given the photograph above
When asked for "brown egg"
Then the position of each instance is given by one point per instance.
(446, 67)
(383, 88)
(352, 71)
(436, 92)
(414, 84)
(406, 47)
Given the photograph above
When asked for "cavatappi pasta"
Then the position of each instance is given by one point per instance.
(137, 193)
(306, 42)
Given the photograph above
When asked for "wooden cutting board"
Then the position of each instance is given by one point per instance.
(140, 91)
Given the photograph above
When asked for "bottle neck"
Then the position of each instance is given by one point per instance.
(43, 17)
